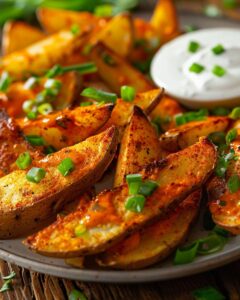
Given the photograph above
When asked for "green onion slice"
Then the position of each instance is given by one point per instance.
(99, 95)
(207, 293)
(66, 166)
(235, 114)
(218, 138)
(5, 81)
(196, 68)
(24, 160)
(28, 106)
(80, 230)
(184, 118)
(193, 46)
(31, 83)
(231, 136)
(186, 254)
(220, 111)
(75, 29)
(135, 203)
(128, 93)
(223, 163)
(32, 115)
(218, 49)
(233, 183)
(86, 103)
(35, 140)
(45, 109)
(218, 71)
(148, 187)
(211, 244)
(76, 295)
(105, 10)
(35, 174)
(86, 68)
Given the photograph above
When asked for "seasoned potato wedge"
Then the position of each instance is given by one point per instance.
(107, 221)
(139, 147)
(188, 134)
(68, 127)
(165, 20)
(12, 144)
(223, 204)
(18, 35)
(116, 71)
(53, 20)
(39, 57)
(154, 242)
(24, 204)
(118, 34)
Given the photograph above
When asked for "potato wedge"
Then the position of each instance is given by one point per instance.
(68, 127)
(24, 204)
(139, 147)
(165, 20)
(12, 144)
(223, 204)
(156, 241)
(54, 20)
(41, 56)
(18, 35)
(107, 221)
(116, 71)
(188, 134)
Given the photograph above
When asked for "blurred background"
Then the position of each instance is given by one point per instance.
(25, 9)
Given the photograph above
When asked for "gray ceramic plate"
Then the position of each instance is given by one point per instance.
(13, 250)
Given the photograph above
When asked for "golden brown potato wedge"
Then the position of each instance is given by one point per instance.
(18, 35)
(188, 134)
(39, 57)
(223, 204)
(118, 34)
(139, 147)
(165, 20)
(24, 204)
(54, 20)
(68, 127)
(156, 241)
(116, 71)
(12, 144)
(107, 221)
(165, 111)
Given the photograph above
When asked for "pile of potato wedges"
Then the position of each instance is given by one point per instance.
(46, 118)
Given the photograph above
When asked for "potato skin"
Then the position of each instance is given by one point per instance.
(24, 205)
(107, 220)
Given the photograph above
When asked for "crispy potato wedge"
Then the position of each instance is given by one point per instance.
(116, 71)
(139, 147)
(18, 35)
(165, 20)
(118, 34)
(223, 204)
(165, 111)
(188, 134)
(156, 241)
(24, 204)
(41, 56)
(53, 20)
(107, 221)
(68, 127)
(12, 144)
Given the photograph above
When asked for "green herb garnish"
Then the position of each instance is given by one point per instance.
(218, 49)
(184, 118)
(66, 166)
(99, 95)
(24, 160)
(196, 68)
(218, 71)
(193, 46)
(35, 174)
(233, 183)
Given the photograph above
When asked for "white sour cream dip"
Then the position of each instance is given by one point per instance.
(170, 68)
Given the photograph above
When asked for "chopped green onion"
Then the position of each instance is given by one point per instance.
(196, 68)
(75, 29)
(10, 276)
(186, 254)
(233, 183)
(86, 68)
(134, 187)
(31, 83)
(193, 46)
(35, 140)
(211, 244)
(66, 166)
(135, 203)
(54, 85)
(231, 136)
(128, 93)
(221, 231)
(46, 95)
(32, 115)
(220, 111)
(190, 28)
(99, 95)
(35, 174)
(45, 109)
(218, 137)
(207, 293)
(230, 4)
(218, 71)
(223, 162)
(76, 295)
(54, 71)
(80, 230)
(184, 118)
(105, 10)
(7, 286)
(49, 149)
(218, 49)
(24, 160)
(130, 178)
(108, 59)
(235, 114)
(28, 105)
(5, 81)
(86, 103)
(148, 187)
